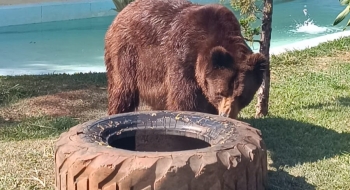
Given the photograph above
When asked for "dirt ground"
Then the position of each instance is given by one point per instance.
(83, 105)
(17, 2)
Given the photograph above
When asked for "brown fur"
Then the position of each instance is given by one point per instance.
(176, 55)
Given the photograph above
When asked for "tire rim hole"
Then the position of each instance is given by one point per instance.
(154, 141)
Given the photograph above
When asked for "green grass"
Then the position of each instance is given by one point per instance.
(301, 57)
(36, 128)
(307, 131)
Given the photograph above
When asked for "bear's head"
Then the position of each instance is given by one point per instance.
(230, 81)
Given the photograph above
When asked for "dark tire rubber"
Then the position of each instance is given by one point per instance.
(224, 153)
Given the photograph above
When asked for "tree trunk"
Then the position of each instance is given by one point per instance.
(262, 106)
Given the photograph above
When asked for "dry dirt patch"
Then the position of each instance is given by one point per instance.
(339, 57)
(81, 104)
(87, 104)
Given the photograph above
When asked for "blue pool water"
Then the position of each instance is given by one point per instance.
(77, 45)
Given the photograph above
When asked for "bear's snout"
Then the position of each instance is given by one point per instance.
(227, 108)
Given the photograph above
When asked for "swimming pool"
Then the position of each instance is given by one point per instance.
(77, 45)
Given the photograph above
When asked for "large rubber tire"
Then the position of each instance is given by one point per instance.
(230, 154)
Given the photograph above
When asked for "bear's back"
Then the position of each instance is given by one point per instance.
(148, 21)
(154, 22)
(174, 28)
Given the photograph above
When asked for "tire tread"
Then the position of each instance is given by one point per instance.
(241, 167)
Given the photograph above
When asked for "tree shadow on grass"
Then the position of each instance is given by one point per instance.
(345, 101)
(281, 180)
(292, 142)
(342, 101)
(5, 122)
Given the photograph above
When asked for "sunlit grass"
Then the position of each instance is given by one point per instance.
(307, 131)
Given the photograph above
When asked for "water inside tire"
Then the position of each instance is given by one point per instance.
(153, 142)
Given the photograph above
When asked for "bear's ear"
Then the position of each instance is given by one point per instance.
(257, 62)
(221, 59)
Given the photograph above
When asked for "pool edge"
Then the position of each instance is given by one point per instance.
(301, 45)
(308, 43)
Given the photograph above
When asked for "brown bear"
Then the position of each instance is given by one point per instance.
(177, 55)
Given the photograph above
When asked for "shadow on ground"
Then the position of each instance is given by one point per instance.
(343, 101)
(292, 142)
(6, 122)
(281, 180)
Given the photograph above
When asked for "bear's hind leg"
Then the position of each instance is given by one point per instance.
(123, 94)
(122, 98)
